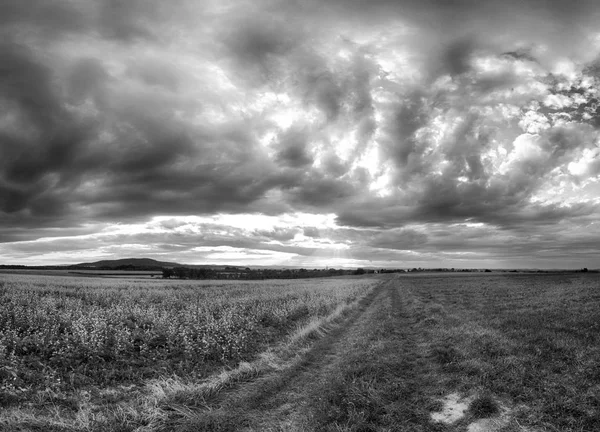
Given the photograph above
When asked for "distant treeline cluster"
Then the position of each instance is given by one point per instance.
(235, 272)
(254, 274)
(247, 273)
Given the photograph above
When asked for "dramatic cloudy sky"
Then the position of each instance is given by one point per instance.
(397, 133)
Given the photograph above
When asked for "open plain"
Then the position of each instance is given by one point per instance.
(407, 352)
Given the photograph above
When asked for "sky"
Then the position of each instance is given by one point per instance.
(312, 133)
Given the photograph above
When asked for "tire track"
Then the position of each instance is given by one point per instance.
(278, 401)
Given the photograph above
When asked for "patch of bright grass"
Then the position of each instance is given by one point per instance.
(60, 336)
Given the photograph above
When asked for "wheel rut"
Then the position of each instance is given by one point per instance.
(279, 401)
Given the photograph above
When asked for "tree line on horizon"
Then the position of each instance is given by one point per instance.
(255, 274)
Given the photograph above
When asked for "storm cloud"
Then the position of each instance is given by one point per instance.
(396, 124)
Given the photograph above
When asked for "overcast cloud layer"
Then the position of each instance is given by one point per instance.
(389, 133)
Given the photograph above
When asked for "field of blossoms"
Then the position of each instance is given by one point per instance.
(60, 334)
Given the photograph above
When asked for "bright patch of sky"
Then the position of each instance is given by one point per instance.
(397, 134)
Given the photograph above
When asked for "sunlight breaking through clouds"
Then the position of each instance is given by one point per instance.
(383, 133)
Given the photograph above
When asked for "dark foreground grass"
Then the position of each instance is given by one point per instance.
(522, 347)
(384, 382)
(483, 407)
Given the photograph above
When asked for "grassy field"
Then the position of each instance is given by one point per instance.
(64, 338)
(437, 352)
(523, 350)
(121, 274)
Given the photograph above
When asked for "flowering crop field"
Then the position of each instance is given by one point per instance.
(65, 333)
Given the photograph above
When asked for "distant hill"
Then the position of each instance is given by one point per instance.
(142, 264)
(133, 263)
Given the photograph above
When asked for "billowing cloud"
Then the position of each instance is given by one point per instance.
(404, 121)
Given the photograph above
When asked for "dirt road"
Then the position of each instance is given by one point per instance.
(291, 400)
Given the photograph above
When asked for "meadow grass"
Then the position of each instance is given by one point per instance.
(523, 350)
(68, 344)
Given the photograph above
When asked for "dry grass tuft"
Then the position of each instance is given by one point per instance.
(484, 406)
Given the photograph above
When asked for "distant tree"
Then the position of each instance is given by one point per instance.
(181, 272)
(167, 273)
(359, 271)
(584, 270)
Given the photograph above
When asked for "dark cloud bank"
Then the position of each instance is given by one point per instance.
(430, 127)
